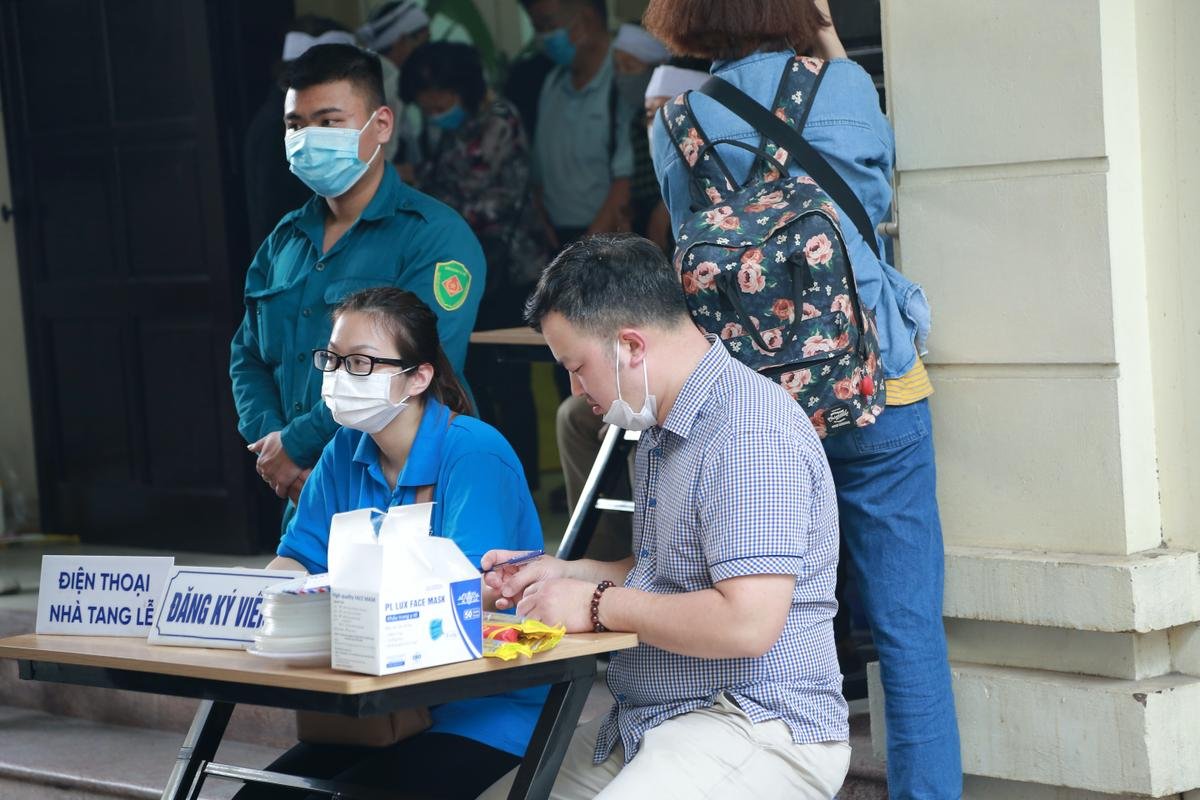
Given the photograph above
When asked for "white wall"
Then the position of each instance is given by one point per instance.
(1015, 148)
(1169, 86)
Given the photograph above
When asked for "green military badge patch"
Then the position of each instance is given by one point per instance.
(451, 284)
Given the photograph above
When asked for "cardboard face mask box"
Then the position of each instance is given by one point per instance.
(400, 598)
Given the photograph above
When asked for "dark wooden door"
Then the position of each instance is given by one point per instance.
(130, 272)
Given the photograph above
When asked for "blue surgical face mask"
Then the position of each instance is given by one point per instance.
(450, 119)
(326, 159)
(558, 47)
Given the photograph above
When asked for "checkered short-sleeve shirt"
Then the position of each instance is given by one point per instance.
(734, 483)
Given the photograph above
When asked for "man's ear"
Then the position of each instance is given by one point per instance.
(633, 341)
(383, 125)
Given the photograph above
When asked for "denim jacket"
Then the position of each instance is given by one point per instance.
(846, 126)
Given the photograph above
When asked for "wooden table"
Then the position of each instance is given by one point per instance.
(514, 344)
(223, 678)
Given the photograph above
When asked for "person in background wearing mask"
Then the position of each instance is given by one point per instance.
(635, 55)
(582, 159)
(480, 168)
(734, 688)
(583, 163)
(271, 188)
(408, 437)
(394, 31)
(363, 228)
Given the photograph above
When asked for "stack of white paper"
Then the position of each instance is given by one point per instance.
(295, 620)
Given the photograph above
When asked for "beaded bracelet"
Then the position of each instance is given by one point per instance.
(598, 626)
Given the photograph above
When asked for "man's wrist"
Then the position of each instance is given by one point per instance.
(597, 594)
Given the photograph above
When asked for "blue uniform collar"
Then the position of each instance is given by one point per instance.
(425, 457)
(391, 197)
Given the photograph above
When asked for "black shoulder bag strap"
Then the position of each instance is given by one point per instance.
(787, 137)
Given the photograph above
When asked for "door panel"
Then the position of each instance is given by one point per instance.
(120, 149)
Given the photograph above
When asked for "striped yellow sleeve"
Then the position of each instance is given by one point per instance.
(910, 387)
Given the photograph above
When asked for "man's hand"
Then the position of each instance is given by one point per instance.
(510, 582)
(298, 485)
(274, 465)
(559, 601)
(616, 215)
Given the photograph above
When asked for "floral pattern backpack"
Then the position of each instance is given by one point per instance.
(764, 265)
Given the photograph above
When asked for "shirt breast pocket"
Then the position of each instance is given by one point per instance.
(274, 312)
(593, 145)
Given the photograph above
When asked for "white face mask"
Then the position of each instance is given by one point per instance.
(362, 402)
(621, 415)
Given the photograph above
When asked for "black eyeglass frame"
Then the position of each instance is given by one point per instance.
(338, 361)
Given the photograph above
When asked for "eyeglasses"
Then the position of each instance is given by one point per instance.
(356, 363)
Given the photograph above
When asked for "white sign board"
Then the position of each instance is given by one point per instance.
(213, 607)
(100, 595)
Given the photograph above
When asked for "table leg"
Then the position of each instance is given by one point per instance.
(199, 746)
(550, 738)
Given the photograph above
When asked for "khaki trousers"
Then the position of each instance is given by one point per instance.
(713, 753)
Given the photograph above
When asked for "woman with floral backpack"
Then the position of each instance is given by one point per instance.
(883, 465)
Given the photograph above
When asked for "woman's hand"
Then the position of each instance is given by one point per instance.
(828, 45)
(285, 563)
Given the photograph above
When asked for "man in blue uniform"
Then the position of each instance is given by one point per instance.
(363, 228)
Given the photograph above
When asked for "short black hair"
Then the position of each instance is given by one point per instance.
(609, 281)
(448, 66)
(326, 63)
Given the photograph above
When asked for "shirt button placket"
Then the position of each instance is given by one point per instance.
(653, 456)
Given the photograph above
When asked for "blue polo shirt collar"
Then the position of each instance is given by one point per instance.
(696, 389)
(425, 457)
(601, 80)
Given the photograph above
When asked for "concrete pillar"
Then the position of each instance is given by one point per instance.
(1047, 170)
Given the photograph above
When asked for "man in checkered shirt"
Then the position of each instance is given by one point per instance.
(734, 690)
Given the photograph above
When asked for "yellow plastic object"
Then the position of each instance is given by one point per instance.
(506, 637)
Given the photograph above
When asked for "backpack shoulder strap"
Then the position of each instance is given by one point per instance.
(708, 176)
(794, 97)
(784, 132)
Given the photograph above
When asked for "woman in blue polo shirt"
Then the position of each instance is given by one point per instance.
(406, 428)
